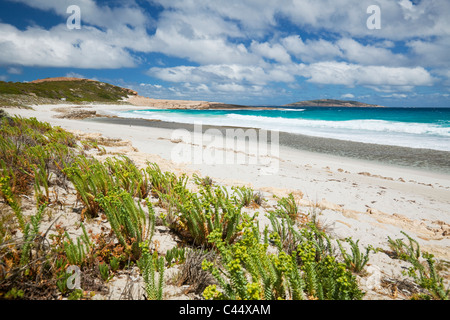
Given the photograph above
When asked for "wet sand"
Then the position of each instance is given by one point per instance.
(423, 159)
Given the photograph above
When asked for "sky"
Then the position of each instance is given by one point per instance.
(394, 53)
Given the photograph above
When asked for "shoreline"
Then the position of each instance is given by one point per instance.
(429, 160)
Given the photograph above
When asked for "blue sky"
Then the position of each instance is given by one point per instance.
(253, 52)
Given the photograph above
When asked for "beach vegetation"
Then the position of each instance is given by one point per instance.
(258, 198)
(403, 251)
(191, 272)
(221, 252)
(248, 271)
(289, 206)
(211, 209)
(202, 181)
(71, 91)
(356, 260)
(91, 179)
(243, 196)
(77, 253)
(29, 150)
(36, 157)
(13, 201)
(105, 271)
(128, 220)
(175, 256)
(194, 215)
(135, 181)
(285, 235)
(152, 270)
(247, 197)
(423, 266)
(162, 183)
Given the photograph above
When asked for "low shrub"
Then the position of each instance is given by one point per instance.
(424, 274)
(128, 220)
(200, 214)
(128, 176)
(357, 260)
(248, 271)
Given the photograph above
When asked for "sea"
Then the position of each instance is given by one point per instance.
(422, 128)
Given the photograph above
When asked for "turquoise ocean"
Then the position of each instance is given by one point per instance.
(424, 128)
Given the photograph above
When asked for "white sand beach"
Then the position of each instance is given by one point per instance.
(353, 198)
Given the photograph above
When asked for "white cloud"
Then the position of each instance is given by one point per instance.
(445, 74)
(254, 17)
(224, 73)
(75, 75)
(14, 70)
(242, 45)
(399, 19)
(312, 50)
(60, 47)
(345, 49)
(341, 73)
(231, 87)
(103, 42)
(348, 96)
(396, 96)
(97, 15)
(149, 85)
(271, 51)
(237, 77)
(222, 82)
(353, 51)
(410, 11)
(390, 89)
(209, 32)
(180, 42)
(431, 53)
(224, 92)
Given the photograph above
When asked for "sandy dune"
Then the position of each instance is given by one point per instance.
(352, 198)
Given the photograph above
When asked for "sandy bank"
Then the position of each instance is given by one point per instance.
(353, 198)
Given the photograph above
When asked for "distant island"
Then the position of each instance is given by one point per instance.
(332, 103)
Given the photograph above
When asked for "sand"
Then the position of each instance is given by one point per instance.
(363, 199)
(167, 104)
